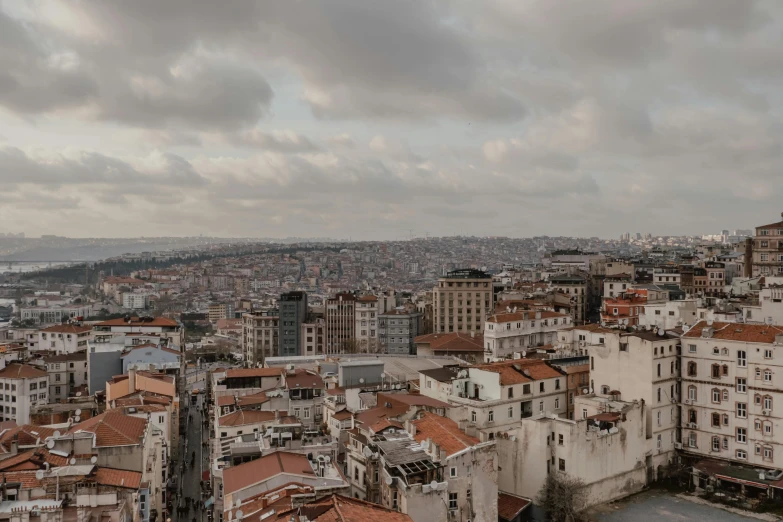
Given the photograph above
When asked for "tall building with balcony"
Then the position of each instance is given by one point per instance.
(398, 328)
(293, 312)
(366, 328)
(768, 249)
(340, 318)
(260, 336)
(462, 301)
(521, 330)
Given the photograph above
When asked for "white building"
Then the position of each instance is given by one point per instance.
(670, 314)
(517, 331)
(731, 378)
(67, 373)
(64, 338)
(366, 317)
(135, 301)
(23, 386)
(770, 307)
(54, 314)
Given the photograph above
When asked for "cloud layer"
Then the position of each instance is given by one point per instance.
(366, 119)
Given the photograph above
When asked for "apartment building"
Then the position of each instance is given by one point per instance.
(666, 275)
(340, 318)
(163, 327)
(23, 386)
(521, 330)
(768, 249)
(216, 311)
(397, 330)
(260, 336)
(462, 301)
(113, 286)
(313, 337)
(293, 313)
(624, 309)
(64, 338)
(641, 365)
(366, 328)
(731, 378)
(574, 286)
(67, 374)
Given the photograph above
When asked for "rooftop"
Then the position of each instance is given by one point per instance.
(21, 371)
(338, 508)
(67, 329)
(444, 432)
(519, 371)
(113, 429)
(741, 332)
(236, 478)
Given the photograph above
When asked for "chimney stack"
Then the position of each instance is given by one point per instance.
(748, 257)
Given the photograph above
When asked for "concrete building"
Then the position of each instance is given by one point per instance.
(576, 287)
(23, 386)
(462, 301)
(313, 335)
(731, 379)
(216, 311)
(623, 309)
(605, 447)
(135, 301)
(113, 286)
(64, 338)
(340, 319)
(767, 248)
(366, 328)
(519, 330)
(67, 375)
(54, 314)
(163, 327)
(293, 313)
(397, 330)
(260, 336)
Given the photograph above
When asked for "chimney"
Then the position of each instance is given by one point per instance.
(707, 332)
(748, 257)
(132, 380)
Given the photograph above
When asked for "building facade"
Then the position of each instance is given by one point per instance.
(293, 313)
(366, 327)
(768, 250)
(340, 318)
(260, 331)
(462, 301)
(397, 330)
(23, 386)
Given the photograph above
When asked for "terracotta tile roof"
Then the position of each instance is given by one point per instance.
(259, 505)
(374, 415)
(779, 224)
(237, 478)
(32, 459)
(26, 478)
(338, 508)
(244, 417)
(68, 357)
(742, 332)
(25, 435)
(304, 379)
(512, 372)
(367, 298)
(443, 432)
(21, 371)
(147, 346)
(591, 327)
(342, 415)
(252, 399)
(118, 477)
(508, 317)
(452, 342)
(509, 506)
(226, 400)
(67, 329)
(234, 373)
(383, 424)
(411, 399)
(137, 321)
(113, 428)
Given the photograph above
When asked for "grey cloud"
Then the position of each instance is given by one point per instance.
(278, 141)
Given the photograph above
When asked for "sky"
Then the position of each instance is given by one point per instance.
(373, 119)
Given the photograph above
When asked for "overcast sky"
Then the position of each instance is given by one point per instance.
(371, 118)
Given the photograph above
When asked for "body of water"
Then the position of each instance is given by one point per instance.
(25, 266)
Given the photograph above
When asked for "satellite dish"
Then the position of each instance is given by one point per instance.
(72, 461)
(434, 484)
(239, 514)
(77, 419)
(94, 459)
(56, 433)
(388, 481)
(50, 444)
(78, 411)
(367, 452)
(40, 474)
(327, 459)
(238, 503)
(361, 380)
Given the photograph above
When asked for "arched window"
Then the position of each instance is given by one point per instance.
(692, 369)
(716, 395)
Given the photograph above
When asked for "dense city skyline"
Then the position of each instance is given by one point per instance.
(518, 119)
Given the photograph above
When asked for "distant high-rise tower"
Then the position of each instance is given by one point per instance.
(293, 312)
(462, 301)
(340, 316)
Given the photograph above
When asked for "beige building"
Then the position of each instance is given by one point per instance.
(732, 379)
(768, 250)
(340, 318)
(462, 301)
(260, 337)
(521, 330)
(366, 327)
(216, 311)
(576, 288)
(64, 338)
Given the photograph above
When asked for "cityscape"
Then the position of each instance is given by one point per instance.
(393, 262)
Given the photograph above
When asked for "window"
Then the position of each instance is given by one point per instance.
(561, 464)
(491, 416)
(715, 444)
(725, 395)
(716, 396)
(768, 453)
(767, 376)
(742, 454)
(473, 416)
(692, 369)
(716, 420)
(692, 393)
(659, 369)
(557, 403)
(716, 371)
(452, 472)
(541, 387)
(541, 406)
(767, 428)
(510, 412)
(526, 389)
(767, 402)
(767, 353)
(468, 494)
(510, 392)
(452, 501)
(692, 439)
(742, 385)
(692, 348)
(742, 435)
(742, 410)
(742, 359)
(757, 425)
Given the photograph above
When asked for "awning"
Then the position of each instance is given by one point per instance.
(209, 502)
(741, 481)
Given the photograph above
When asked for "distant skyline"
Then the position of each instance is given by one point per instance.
(369, 119)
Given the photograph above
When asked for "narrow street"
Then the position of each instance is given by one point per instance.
(193, 463)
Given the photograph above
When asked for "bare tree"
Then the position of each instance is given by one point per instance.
(563, 497)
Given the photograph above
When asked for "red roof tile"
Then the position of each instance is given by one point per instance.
(68, 329)
(509, 506)
(113, 428)
(452, 342)
(118, 477)
(742, 332)
(237, 478)
(338, 508)
(21, 371)
(304, 379)
(443, 432)
(519, 371)
(244, 417)
(25, 435)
